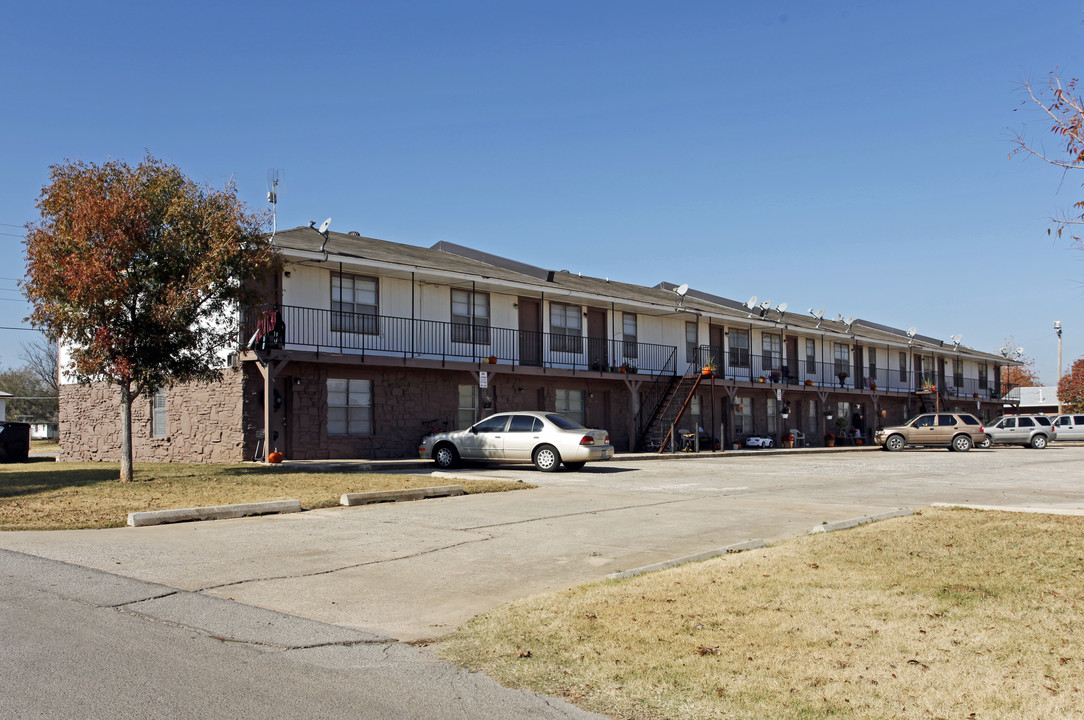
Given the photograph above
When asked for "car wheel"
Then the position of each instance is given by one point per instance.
(894, 443)
(575, 465)
(1038, 442)
(985, 443)
(445, 456)
(961, 443)
(546, 458)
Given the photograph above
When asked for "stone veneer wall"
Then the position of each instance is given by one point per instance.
(203, 421)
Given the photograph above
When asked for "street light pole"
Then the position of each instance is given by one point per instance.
(1057, 329)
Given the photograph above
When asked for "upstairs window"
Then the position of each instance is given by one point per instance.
(628, 334)
(772, 348)
(470, 317)
(354, 304)
(739, 348)
(566, 328)
(811, 357)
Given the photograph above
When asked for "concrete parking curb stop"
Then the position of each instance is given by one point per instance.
(218, 512)
(865, 519)
(707, 555)
(367, 498)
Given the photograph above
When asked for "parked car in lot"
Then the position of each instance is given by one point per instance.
(544, 438)
(956, 431)
(1069, 427)
(1028, 430)
(759, 441)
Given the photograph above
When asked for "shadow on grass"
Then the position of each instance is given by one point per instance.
(39, 475)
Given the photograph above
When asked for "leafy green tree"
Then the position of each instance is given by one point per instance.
(1071, 388)
(141, 272)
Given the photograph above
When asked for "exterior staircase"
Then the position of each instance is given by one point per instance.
(656, 435)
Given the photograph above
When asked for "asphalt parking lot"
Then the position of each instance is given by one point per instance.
(417, 570)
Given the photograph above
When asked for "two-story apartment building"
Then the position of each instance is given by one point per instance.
(364, 344)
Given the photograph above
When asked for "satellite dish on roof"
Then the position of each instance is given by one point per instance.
(849, 320)
(956, 339)
(911, 331)
(751, 302)
(682, 289)
(324, 226)
(766, 304)
(782, 308)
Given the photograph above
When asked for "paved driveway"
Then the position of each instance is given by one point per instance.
(417, 570)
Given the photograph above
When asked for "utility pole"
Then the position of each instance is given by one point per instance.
(1057, 329)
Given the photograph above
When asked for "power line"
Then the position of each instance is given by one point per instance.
(2, 327)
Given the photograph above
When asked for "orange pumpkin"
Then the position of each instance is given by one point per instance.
(276, 457)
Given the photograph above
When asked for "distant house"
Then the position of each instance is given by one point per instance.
(364, 344)
(4, 405)
(45, 430)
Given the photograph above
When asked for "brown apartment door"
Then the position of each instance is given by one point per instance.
(597, 357)
(792, 359)
(530, 331)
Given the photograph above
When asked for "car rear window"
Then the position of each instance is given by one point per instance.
(946, 420)
(564, 423)
(1026, 422)
(1042, 420)
(524, 423)
(969, 420)
(1078, 419)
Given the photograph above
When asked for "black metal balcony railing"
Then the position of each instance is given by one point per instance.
(293, 327)
(287, 326)
(745, 366)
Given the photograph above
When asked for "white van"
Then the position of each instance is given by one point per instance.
(1069, 427)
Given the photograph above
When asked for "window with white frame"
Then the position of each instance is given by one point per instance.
(696, 416)
(628, 334)
(811, 357)
(842, 356)
(691, 344)
(570, 404)
(738, 348)
(355, 307)
(566, 328)
(773, 415)
(470, 317)
(772, 348)
(468, 406)
(349, 407)
(159, 428)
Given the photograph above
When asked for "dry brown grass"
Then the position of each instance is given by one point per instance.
(947, 614)
(46, 495)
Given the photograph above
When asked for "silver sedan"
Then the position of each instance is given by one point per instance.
(544, 438)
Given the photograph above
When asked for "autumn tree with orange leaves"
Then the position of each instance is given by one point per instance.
(140, 272)
(1071, 388)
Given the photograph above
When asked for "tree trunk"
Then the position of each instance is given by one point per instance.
(126, 398)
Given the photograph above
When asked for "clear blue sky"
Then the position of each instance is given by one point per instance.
(851, 155)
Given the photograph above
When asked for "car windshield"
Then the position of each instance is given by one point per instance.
(564, 423)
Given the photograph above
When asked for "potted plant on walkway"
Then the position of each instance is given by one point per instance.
(842, 375)
(829, 440)
(788, 441)
(709, 368)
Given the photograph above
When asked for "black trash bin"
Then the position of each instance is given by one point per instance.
(14, 442)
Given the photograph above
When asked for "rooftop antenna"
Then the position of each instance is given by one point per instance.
(750, 304)
(956, 339)
(681, 291)
(323, 231)
(274, 177)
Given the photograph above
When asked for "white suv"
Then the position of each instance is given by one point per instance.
(1069, 427)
